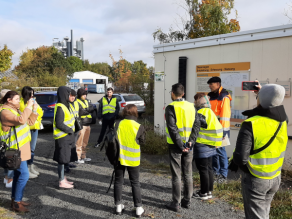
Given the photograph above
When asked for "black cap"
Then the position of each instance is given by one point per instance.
(214, 80)
(73, 93)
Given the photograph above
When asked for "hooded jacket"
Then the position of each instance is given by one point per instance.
(245, 139)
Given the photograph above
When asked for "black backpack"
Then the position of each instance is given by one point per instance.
(112, 148)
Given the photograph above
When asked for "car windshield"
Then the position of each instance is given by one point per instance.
(132, 98)
(45, 99)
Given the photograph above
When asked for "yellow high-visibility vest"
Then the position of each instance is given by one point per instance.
(38, 122)
(84, 106)
(109, 107)
(75, 108)
(213, 134)
(185, 116)
(268, 163)
(129, 149)
(22, 132)
(69, 121)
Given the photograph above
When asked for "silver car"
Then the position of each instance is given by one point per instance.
(125, 99)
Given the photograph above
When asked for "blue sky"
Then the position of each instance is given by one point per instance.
(107, 26)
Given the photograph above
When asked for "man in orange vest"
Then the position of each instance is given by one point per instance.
(220, 104)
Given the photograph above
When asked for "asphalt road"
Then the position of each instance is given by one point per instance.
(89, 198)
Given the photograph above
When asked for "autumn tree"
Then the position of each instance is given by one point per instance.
(205, 18)
(5, 59)
(102, 68)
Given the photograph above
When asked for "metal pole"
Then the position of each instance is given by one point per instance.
(72, 44)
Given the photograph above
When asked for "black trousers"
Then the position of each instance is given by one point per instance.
(134, 173)
(105, 124)
(204, 165)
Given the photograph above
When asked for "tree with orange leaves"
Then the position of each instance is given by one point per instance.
(206, 18)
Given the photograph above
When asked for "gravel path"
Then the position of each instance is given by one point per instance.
(89, 198)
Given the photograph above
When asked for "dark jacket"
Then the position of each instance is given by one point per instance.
(108, 116)
(203, 150)
(85, 112)
(170, 118)
(245, 139)
(65, 149)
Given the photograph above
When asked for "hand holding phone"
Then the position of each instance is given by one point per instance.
(250, 86)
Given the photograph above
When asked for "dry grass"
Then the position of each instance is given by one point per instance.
(157, 168)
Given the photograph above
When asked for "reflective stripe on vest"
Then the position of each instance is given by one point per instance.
(84, 106)
(22, 132)
(109, 107)
(75, 108)
(214, 133)
(69, 121)
(185, 116)
(129, 149)
(268, 163)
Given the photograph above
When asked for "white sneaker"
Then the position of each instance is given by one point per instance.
(209, 194)
(119, 209)
(139, 211)
(9, 185)
(32, 169)
(87, 159)
(5, 181)
(32, 176)
(79, 161)
(96, 146)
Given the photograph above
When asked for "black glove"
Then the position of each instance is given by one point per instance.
(232, 166)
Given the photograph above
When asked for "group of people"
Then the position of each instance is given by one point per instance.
(194, 132)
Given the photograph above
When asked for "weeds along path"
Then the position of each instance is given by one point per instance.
(89, 198)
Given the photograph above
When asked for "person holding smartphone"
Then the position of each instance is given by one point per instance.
(27, 93)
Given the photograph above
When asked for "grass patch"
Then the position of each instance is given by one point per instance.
(4, 213)
(281, 206)
(155, 142)
(157, 168)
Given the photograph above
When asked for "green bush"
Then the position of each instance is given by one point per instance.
(155, 142)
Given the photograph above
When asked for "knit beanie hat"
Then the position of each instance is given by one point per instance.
(3, 92)
(271, 95)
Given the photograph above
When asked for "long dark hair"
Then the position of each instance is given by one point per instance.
(8, 95)
(26, 93)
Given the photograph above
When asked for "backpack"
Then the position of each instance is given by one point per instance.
(112, 148)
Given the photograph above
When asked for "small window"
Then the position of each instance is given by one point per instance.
(119, 99)
(132, 98)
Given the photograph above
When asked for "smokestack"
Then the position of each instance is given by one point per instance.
(82, 49)
(72, 43)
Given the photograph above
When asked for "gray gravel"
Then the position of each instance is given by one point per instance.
(89, 198)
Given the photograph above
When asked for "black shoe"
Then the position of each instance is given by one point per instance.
(67, 169)
(201, 196)
(72, 165)
(173, 207)
(185, 204)
(222, 179)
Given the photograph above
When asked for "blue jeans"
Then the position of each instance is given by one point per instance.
(220, 162)
(20, 179)
(9, 173)
(34, 138)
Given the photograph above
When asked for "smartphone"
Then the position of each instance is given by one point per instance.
(249, 86)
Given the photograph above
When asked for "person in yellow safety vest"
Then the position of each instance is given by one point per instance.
(108, 111)
(220, 100)
(13, 120)
(210, 137)
(182, 129)
(85, 110)
(130, 136)
(8, 174)
(260, 150)
(28, 93)
(63, 132)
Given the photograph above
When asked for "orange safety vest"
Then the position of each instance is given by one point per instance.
(221, 107)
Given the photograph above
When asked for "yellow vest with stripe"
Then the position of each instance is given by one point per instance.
(38, 122)
(268, 163)
(75, 108)
(69, 120)
(129, 149)
(213, 134)
(109, 107)
(84, 106)
(185, 116)
(22, 132)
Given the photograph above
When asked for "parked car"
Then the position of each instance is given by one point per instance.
(125, 99)
(47, 101)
